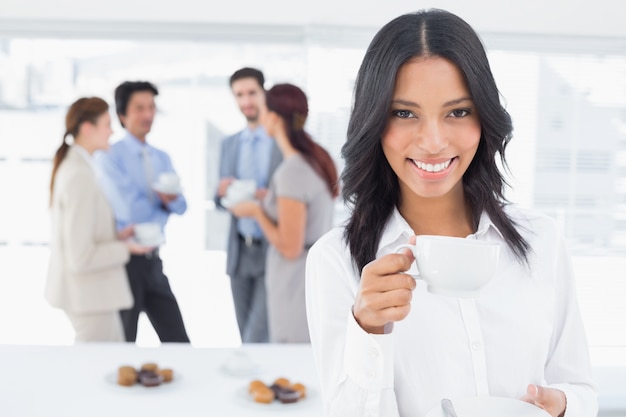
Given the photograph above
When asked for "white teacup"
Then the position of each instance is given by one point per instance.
(169, 181)
(239, 364)
(240, 190)
(148, 233)
(454, 266)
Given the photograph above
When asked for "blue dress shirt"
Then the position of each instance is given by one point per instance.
(255, 149)
(126, 185)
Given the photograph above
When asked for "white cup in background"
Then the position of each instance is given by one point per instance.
(239, 363)
(169, 179)
(168, 183)
(148, 234)
(238, 191)
(454, 266)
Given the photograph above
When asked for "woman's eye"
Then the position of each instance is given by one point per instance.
(403, 114)
(459, 112)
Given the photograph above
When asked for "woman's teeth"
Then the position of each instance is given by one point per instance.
(432, 167)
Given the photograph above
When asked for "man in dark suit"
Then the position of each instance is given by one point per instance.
(248, 155)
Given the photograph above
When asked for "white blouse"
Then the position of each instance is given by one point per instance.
(523, 328)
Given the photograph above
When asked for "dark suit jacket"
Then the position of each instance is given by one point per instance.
(228, 168)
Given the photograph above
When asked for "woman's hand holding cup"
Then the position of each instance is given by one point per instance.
(385, 292)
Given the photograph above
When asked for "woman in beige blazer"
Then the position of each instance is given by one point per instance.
(86, 275)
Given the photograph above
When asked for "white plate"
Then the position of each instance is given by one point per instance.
(166, 189)
(225, 202)
(156, 242)
(242, 396)
(491, 407)
(138, 388)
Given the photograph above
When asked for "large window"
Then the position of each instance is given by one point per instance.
(568, 156)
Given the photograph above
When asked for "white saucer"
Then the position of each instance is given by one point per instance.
(226, 202)
(230, 203)
(165, 189)
(156, 242)
(491, 407)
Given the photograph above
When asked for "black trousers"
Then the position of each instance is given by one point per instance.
(153, 295)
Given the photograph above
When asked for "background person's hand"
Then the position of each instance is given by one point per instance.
(549, 399)
(246, 209)
(126, 233)
(223, 186)
(385, 292)
(260, 193)
(166, 198)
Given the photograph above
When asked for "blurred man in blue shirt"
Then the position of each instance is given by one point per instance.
(132, 169)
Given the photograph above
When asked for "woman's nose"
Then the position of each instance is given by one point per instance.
(431, 138)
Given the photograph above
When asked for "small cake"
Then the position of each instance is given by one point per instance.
(300, 388)
(283, 382)
(142, 372)
(167, 374)
(150, 379)
(126, 376)
(255, 385)
(263, 395)
(150, 367)
(287, 395)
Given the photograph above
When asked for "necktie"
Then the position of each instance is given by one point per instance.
(148, 172)
(248, 170)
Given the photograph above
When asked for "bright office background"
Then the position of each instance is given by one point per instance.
(560, 66)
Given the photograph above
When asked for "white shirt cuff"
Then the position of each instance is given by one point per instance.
(368, 357)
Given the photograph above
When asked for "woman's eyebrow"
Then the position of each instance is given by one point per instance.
(405, 102)
(456, 101)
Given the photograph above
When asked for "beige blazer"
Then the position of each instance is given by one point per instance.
(86, 272)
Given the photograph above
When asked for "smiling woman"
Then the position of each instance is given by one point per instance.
(425, 95)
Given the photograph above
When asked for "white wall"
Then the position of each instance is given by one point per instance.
(552, 17)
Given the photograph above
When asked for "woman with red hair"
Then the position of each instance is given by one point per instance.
(296, 211)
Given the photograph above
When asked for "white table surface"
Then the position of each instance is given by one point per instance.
(68, 381)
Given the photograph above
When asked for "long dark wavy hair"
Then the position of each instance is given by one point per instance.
(291, 104)
(83, 110)
(370, 186)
